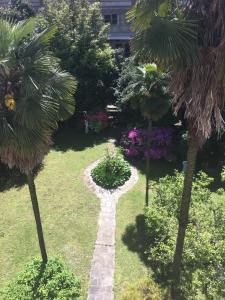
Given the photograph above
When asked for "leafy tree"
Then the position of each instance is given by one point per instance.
(34, 95)
(81, 43)
(188, 37)
(203, 259)
(17, 11)
(145, 89)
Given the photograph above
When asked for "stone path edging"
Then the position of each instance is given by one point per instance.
(103, 261)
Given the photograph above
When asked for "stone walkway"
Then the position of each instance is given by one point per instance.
(103, 261)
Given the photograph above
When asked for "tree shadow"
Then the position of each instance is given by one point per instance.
(161, 168)
(13, 178)
(38, 280)
(158, 168)
(66, 139)
(136, 239)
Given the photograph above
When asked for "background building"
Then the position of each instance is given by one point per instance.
(34, 3)
(114, 13)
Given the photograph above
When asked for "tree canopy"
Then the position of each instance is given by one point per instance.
(35, 93)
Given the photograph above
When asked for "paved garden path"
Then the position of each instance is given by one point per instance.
(103, 261)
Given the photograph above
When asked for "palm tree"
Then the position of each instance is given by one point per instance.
(146, 90)
(188, 37)
(150, 96)
(34, 95)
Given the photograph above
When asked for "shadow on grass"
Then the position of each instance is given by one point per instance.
(161, 168)
(158, 168)
(77, 140)
(12, 178)
(136, 238)
(38, 280)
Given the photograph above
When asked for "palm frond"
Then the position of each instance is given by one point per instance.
(42, 94)
(166, 41)
(141, 14)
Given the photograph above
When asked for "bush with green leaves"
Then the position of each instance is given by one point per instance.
(112, 172)
(203, 269)
(43, 281)
(81, 43)
(18, 10)
(144, 289)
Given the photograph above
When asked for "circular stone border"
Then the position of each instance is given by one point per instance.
(101, 192)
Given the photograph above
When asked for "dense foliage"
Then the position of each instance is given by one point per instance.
(112, 172)
(144, 88)
(134, 142)
(18, 10)
(81, 44)
(204, 252)
(144, 289)
(35, 94)
(39, 281)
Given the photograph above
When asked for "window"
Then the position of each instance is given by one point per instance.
(107, 18)
(114, 19)
(127, 50)
(111, 19)
(118, 46)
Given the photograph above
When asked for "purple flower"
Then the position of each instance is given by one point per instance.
(134, 142)
(132, 134)
(131, 152)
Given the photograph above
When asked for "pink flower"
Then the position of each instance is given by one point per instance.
(131, 152)
(132, 134)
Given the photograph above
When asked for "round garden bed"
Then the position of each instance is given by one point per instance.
(112, 172)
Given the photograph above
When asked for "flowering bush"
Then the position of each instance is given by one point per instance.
(134, 142)
(96, 121)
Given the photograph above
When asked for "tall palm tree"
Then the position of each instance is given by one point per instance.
(188, 37)
(146, 90)
(34, 95)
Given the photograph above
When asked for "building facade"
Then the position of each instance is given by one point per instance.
(114, 13)
(34, 3)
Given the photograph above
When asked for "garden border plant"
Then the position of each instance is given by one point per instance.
(38, 280)
(112, 172)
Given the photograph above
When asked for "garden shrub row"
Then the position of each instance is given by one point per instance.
(204, 250)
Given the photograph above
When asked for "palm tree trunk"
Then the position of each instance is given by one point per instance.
(34, 200)
(148, 163)
(184, 216)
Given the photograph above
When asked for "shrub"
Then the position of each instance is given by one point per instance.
(112, 172)
(17, 11)
(204, 250)
(134, 142)
(144, 289)
(38, 281)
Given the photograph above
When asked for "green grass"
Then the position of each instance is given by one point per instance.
(131, 262)
(69, 211)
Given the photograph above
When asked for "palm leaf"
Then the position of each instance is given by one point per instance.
(167, 41)
(43, 93)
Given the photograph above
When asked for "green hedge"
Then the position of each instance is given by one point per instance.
(43, 282)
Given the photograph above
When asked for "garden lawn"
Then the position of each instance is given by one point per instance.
(69, 211)
(131, 262)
